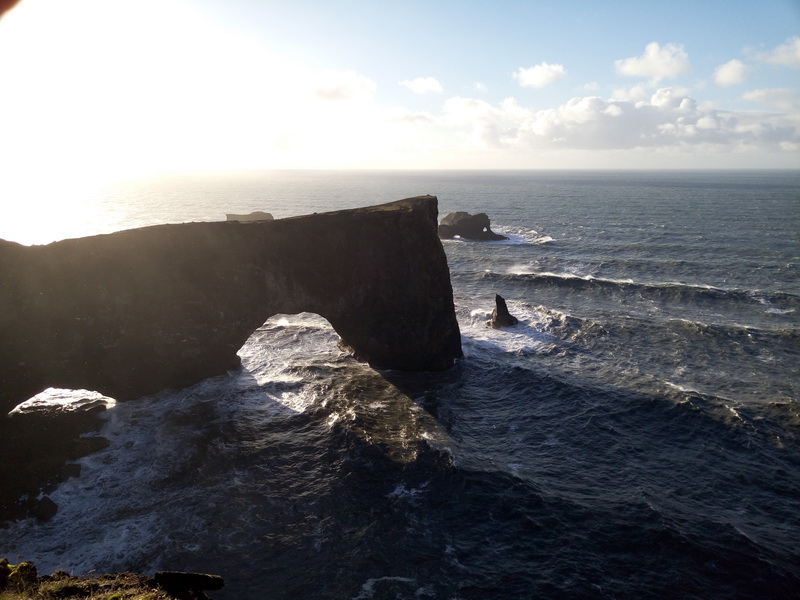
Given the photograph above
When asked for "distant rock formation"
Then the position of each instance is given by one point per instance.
(253, 216)
(471, 227)
(500, 315)
(137, 311)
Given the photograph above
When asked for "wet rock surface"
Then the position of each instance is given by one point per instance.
(39, 446)
(500, 315)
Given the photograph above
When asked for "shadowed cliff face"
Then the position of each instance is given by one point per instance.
(137, 311)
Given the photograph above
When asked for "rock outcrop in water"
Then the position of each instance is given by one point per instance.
(471, 227)
(500, 315)
(137, 311)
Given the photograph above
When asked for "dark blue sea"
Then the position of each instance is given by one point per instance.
(635, 436)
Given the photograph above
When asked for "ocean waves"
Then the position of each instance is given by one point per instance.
(654, 338)
(636, 435)
(693, 302)
(676, 292)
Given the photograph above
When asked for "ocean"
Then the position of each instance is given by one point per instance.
(636, 435)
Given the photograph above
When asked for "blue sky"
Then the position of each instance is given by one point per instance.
(124, 86)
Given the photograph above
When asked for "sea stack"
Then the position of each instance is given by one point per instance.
(500, 315)
(467, 226)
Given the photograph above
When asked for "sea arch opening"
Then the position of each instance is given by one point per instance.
(288, 351)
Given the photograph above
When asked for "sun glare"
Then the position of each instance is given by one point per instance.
(100, 91)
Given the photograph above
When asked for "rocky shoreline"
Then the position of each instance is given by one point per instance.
(21, 582)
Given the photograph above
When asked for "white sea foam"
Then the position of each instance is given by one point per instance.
(529, 336)
(401, 491)
(522, 269)
(520, 236)
(112, 516)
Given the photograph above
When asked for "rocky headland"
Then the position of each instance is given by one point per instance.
(134, 312)
(137, 311)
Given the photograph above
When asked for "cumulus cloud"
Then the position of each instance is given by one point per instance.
(786, 55)
(657, 63)
(636, 93)
(669, 118)
(732, 72)
(487, 125)
(480, 87)
(539, 75)
(403, 115)
(343, 85)
(422, 85)
(783, 99)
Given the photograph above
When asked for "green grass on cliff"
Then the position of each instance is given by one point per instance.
(61, 586)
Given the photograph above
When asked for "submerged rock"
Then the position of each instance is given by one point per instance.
(500, 315)
(133, 312)
(45, 509)
(471, 227)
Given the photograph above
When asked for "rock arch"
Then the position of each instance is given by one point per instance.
(133, 312)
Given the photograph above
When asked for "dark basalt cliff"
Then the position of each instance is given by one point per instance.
(137, 311)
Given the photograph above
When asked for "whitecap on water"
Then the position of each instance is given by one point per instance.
(529, 336)
(521, 236)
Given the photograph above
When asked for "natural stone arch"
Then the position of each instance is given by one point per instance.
(137, 311)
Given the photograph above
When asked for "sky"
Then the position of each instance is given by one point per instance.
(117, 88)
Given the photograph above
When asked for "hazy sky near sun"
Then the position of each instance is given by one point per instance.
(130, 86)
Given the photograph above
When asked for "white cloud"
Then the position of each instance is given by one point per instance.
(480, 87)
(669, 119)
(422, 85)
(539, 75)
(783, 99)
(656, 63)
(787, 54)
(343, 85)
(672, 98)
(292, 115)
(486, 125)
(732, 72)
(462, 111)
(403, 115)
(637, 92)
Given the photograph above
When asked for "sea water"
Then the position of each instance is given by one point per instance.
(636, 435)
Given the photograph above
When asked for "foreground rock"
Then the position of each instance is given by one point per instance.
(500, 315)
(137, 311)
(471, 227)
(180, 582)
(20, 582)
(39, 447)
